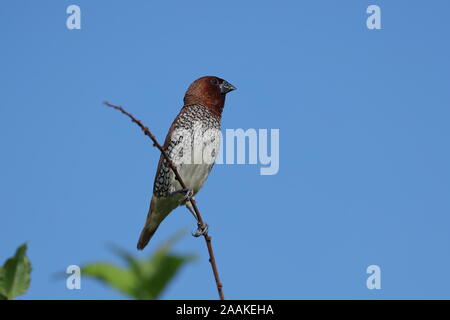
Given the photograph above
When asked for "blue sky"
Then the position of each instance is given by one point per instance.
(364, 132)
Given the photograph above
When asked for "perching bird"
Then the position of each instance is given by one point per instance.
(192, 144)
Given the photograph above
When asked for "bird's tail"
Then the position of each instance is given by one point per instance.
(150, 227)
(146, 235)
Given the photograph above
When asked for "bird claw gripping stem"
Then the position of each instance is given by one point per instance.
(200, 231)
(188, 194)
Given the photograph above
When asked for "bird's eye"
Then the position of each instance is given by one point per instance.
(214, 81)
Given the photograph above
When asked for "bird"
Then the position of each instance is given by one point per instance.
(192, 144)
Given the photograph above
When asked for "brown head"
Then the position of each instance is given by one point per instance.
(208, 91)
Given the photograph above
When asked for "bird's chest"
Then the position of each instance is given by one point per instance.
(193, 149)
(195, 155)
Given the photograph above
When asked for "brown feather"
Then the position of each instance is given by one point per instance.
(147, 232)
(202, 91)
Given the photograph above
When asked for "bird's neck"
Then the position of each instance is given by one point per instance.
(213, 104)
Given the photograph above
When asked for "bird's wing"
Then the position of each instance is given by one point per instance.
(163, 178)
(164, 175)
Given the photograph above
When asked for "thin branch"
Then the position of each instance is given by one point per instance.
(200, 222)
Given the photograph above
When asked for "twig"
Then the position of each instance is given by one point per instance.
(200, 222)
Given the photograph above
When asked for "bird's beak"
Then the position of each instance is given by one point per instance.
(226, 87)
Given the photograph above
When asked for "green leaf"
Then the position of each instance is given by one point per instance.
(144, 278)
(15, 275)
(2, 276)
(119, 278)
(127, 257)
(163, 268)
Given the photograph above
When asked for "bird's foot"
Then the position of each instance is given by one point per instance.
(188, 194)
(200, 231)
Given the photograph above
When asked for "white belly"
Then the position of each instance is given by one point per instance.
(195, 175)
(196, 163)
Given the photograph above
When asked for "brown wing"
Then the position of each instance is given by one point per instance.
(164, 174)
(160, 188)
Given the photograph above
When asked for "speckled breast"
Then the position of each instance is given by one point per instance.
(193, 147)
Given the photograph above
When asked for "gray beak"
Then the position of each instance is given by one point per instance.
(226, 87)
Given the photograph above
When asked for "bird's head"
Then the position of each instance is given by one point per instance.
(208, 91)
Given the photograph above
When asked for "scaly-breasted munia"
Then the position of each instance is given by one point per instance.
(192, 137)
